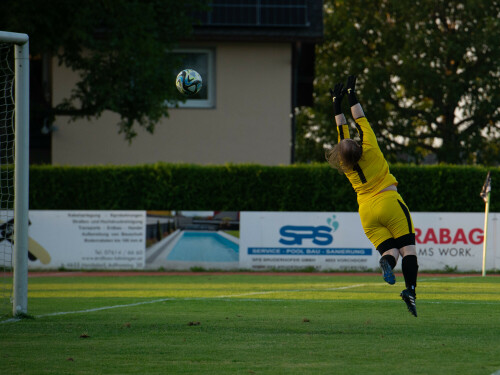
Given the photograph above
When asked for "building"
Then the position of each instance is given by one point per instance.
(257, 60)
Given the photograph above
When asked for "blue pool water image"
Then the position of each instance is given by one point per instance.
(185, 249)
(204, 247)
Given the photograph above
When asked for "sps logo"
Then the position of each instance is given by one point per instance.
(320, 235)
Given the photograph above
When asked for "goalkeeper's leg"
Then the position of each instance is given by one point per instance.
(409, 265)
(387, 264)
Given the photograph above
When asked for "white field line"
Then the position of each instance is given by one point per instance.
(288, 291)
(443, 278)
(92, 310)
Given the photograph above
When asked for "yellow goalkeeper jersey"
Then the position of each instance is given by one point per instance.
(371, 174)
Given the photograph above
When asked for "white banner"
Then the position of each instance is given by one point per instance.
(449, 241)
(336, 241)
(107, 240)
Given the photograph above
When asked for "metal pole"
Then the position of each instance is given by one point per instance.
(21, 178)
(486, 212)
(16, 38)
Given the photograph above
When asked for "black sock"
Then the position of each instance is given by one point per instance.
(391, 260)
(410, 268)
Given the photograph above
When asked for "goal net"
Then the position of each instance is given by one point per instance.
(14, 171)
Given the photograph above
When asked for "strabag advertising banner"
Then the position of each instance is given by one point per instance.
(298, 240)
(110, 240)
(454, 241)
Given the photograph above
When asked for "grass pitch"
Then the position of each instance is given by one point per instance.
(254, 324)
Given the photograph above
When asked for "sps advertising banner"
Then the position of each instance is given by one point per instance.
(298, 240)
(108, 240)
(336, 241)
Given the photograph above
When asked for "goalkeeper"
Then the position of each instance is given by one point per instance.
(385, 217)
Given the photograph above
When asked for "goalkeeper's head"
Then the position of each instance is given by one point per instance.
(344, 155)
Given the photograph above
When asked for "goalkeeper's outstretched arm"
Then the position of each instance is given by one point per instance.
(337, 95)
(356, 109)
(365, 131)
(347, 152)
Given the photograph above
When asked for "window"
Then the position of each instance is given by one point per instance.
(201, 60)
(255, 13)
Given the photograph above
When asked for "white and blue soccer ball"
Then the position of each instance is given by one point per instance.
(188, 82)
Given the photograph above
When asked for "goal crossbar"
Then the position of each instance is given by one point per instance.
(16, 38)
(21, 172)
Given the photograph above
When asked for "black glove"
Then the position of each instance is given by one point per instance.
(351, 90)
(337, 93)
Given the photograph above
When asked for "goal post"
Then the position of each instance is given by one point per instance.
(19, 238)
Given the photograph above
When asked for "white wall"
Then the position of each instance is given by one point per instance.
(250, 121)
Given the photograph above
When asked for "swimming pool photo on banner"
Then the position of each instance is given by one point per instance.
(183, 240)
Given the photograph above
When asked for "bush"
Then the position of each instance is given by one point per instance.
(311, 187)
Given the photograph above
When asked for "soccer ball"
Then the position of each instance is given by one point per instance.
(188, 82)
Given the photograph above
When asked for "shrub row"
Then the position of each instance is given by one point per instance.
(312, 187)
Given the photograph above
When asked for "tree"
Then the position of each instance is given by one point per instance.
(120, 48)
(428, 77)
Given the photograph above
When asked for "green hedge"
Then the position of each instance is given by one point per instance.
(314, 187)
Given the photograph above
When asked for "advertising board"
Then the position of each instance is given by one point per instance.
(175, 240)
(336, 241)
(108, 240)
(299, 240)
